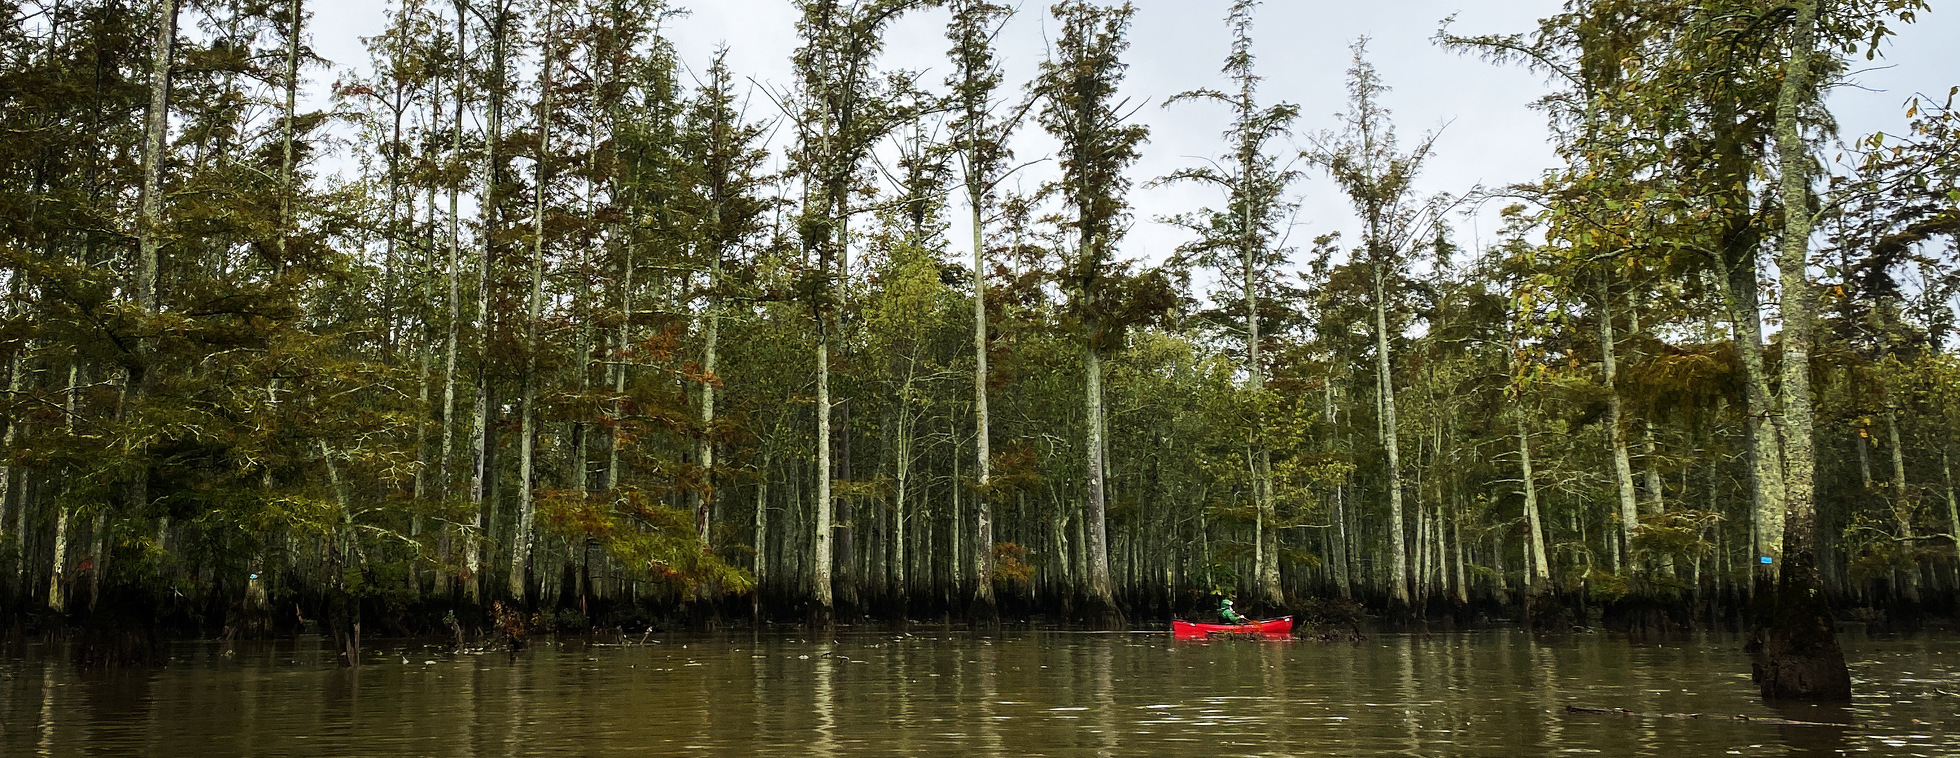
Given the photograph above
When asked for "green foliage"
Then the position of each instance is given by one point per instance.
(643, 536)
(330, 391)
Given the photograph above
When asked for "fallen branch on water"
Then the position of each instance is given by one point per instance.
(1695, 716)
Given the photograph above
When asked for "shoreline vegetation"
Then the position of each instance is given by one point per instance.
(587, 337)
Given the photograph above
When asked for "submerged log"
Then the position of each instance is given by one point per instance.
(1697, 716)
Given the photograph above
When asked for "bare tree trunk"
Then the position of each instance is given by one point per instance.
(1343, 564)
(1398, 585)
(1538, 574)
(295, 20)
(899, 501)
(588, 337)
(445, 475)
(16, 374)
(1656, 496)
(704, 450)
(58, 564)
(1267, 585)
(1952, 508)
(480, 450)
(761, 564)
(820, 574)
(520, 541)
(1615, 431)
(480, 430)
(955, 517)
(57, 601)
(419, 489)
(1898, 451)
(149, 228)
(983, 514)
(1096, 532)
(21, 545)
(149, 242)
(98, 552)
(1500, 587)
(844, 524)
(621, 352)
(792, 553)
(1864, 457)
(1901, 504)
(1421, 588)
(1460, 589)
(1267, 550)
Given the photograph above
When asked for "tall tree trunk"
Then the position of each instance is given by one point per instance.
(16, 374)
(424, 372)
(149, 240)
(901, 481)
(1656, 495)
(481, 459)
(1763, 433)
(520, 551)
(1864, 446)
(58, 563)
(1615, 428)
(98, 553)
(1952, 508)
(1898, 451)
(1797, 654)
(1538, 573)
(1417, 521)
(820, 560)
(844, 526)
(1343, 565)
(1101, 592)
(955, 517)
(983, 514)
(1459, 589)
(295, 20)
(761, 561)
(704, 446)
(473, 543)
(149, 228)
(1901, 503)
(1500, 587)
(1249, 247)
(620, 353)
(445, 475)
(1398, 584)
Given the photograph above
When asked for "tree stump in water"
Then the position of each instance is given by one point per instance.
(1545, 613)
(1793, 645)
(344, 623)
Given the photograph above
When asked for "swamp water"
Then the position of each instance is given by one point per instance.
(1488, 693)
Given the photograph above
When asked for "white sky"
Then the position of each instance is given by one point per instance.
(1492, 137)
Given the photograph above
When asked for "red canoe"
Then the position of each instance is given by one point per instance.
(1270, 628)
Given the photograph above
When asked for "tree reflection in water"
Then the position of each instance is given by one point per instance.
(1499, 693)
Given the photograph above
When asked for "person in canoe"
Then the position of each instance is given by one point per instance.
(1230, 616)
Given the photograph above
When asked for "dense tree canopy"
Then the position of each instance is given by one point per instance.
(534, 315)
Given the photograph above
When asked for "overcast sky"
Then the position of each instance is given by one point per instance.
(1489, 135)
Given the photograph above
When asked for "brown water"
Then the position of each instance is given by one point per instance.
(1483, 693)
